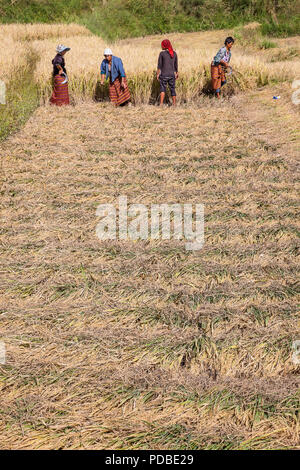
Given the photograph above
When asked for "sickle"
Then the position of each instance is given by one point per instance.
(66, 79)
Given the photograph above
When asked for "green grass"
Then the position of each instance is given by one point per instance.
(266, 44)
(22, 98)
(118, 19)
(24, 11)
(287, 26)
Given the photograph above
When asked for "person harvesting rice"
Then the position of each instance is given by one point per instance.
(167, 70)
(60, 95)
(218, 65)
(112, 68)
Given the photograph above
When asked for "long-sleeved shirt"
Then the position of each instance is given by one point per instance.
(223, 54)
(117, 69)
(58, 60)
(166, 64)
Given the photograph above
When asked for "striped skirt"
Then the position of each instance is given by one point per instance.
(117, 94)
(218, 78)
(60, 93)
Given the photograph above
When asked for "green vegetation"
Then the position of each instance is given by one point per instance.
(116, 19)
(266, 44)
(39, 11)
(133, 18)
(22, 98)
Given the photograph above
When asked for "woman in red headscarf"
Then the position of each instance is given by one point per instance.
(167, 70)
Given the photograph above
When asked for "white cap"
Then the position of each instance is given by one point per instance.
(108, 51)
(61, 48)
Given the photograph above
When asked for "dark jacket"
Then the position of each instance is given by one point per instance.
(166, 64)
(58, 60)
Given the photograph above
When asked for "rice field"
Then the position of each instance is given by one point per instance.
(16, 41)
(253, 68)
(140, 60)
(144, 345)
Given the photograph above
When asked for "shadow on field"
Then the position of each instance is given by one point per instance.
(101, 92)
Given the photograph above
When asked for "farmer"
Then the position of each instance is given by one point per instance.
(167, 70)
(60, 95)
(112, 68)
(219, 64)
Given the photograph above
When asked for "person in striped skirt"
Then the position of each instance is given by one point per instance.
(112, 69)
(60, 94)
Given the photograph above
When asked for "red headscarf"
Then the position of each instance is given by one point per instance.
(167, 45)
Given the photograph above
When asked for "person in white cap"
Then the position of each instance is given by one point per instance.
(112, 69)
(60, 93)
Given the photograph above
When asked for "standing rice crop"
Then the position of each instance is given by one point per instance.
(139, 55)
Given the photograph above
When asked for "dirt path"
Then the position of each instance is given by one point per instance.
(143, 344)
